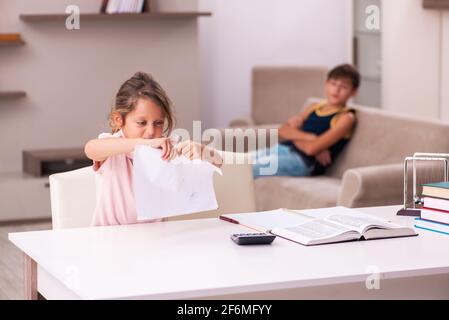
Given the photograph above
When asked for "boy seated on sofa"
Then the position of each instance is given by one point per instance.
(312, 139)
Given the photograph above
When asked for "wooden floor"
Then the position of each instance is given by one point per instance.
(11, 259)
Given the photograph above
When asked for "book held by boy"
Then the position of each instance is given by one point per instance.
(320, 226)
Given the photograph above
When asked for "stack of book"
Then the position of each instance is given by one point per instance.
(122, 6)
(435, 211)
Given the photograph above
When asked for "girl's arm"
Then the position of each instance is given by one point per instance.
(101, 149)
(324, 141)
(290, 130)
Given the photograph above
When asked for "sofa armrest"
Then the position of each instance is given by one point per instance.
(378, 185)
(242, 121)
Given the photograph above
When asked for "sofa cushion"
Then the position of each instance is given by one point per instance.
(296, 193)
(383, 137)
(279, 92)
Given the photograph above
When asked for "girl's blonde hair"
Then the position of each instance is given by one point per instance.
(141, 86)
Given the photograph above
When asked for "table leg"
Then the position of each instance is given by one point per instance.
(29, 278)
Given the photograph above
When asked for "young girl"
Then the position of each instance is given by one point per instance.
(142, 114)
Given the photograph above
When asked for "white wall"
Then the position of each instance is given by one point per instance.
(71, 77)
(244, 33)
(445, 67)
(411, 58)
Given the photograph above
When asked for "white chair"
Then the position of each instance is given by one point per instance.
(73, 195)
(73, 198)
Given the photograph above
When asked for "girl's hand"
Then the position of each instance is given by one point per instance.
(165, 144)
(194, 150)
(190, 149)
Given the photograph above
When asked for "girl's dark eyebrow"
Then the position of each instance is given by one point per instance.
(143, 119)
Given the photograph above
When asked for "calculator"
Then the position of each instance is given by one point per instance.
(252, 238)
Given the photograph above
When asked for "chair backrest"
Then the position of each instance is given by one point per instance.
(73, 194)
(279, 92)
(73, 198)
(234, 189)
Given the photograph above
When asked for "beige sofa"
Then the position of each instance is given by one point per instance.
(278, 92)
(368, 172)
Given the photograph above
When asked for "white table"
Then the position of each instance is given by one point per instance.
(197, 259)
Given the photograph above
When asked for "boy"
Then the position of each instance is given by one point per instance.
(312, 139)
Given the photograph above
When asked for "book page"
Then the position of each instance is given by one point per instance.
(359, 221)
(317, 231)
(264, 221)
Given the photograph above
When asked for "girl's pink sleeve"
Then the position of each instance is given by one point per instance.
(97, 164)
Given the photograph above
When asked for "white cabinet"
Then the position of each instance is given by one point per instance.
(23, 197)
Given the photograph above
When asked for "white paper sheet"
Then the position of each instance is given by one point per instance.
(170, 188)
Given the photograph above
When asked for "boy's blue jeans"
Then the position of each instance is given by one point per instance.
(279, 160)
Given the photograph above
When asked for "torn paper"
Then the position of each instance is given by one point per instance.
(170, 188)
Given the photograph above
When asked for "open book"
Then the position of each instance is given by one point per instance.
(320, 226)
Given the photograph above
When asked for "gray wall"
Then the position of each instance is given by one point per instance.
(71, 77)
(244, 33)
(415, 59)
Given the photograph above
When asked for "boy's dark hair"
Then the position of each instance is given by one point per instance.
(346, 71)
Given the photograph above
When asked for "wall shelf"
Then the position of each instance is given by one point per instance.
(8, 43)
(11, 40)
(435, 4)
(116, 17)
(12, 94)
(44, 162)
